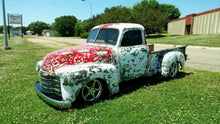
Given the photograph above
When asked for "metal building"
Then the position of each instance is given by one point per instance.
(207, 22)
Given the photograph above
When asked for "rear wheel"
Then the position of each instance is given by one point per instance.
(92, 90)
(174, 68)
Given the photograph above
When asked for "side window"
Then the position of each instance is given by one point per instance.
(132, 38)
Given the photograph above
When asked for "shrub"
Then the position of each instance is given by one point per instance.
(84, 35)
(57, 34)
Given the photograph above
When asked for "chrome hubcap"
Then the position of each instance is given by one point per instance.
(92, 90)
(174, 69)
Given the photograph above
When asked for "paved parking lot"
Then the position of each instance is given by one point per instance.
(199, 57)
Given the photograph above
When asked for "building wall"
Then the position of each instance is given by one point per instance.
(207, 24)
(177, 27)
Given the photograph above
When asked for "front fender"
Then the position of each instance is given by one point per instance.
(169, 58)
(74, 76)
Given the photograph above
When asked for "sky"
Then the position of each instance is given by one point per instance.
(48, 10)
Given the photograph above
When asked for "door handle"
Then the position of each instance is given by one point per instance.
(144, 50)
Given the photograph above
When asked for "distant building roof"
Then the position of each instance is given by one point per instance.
(198, 14)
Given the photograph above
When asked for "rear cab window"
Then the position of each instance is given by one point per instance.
(131, 38)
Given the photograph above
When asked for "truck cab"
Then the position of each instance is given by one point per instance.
(129, 44)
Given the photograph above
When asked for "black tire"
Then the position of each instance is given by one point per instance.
(92, 90)
(174, 69)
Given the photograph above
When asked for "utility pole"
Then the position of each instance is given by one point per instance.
(90, 11)
(128, 4)
(5, 31)
(90, 6)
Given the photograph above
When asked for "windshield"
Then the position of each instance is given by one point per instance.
(104, 35)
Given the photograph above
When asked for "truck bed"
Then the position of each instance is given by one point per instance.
(156, 58)
(158, 47)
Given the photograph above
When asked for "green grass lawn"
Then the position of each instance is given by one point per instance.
(192, 97)
(199, 40)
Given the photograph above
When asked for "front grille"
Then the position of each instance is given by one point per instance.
(50, 84)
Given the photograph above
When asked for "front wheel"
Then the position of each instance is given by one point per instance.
(174, 68)
(92, 90)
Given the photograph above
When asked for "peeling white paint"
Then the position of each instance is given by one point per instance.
(101, 53)
(133, 62)
(77, 75)
(169, 59)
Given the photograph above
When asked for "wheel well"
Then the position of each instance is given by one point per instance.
(105, 86)
(104, 91)
(179, 63)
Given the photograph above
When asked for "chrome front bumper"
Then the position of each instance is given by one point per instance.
(50, 101)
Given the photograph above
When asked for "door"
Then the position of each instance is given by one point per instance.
(132, 56)
(188, 30)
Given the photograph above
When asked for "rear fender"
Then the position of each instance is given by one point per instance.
(168, 60)
(77, 75)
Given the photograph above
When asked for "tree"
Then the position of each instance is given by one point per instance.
(170, 11)
(1, 29)
(65, 25)
(151, 4)
(152, 15)
(37, 27)
(96, 20)
(24, 29)
(116, 14)
(108, 10)
(82, 27)
(148, 14)
(77, 28)
(152, 20)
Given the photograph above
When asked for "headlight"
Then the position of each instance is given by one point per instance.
(63, 79)
(38, 64)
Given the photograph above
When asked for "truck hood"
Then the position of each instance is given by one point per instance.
(76, 55)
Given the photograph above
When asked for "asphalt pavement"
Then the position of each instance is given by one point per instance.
(199, 57)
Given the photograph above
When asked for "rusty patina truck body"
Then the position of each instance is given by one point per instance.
(113, 53)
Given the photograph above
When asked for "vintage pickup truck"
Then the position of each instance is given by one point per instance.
(112, 54)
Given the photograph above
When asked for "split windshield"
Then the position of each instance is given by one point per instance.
(103, 35)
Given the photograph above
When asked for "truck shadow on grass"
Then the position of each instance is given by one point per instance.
(159, 36)
(131, 86)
